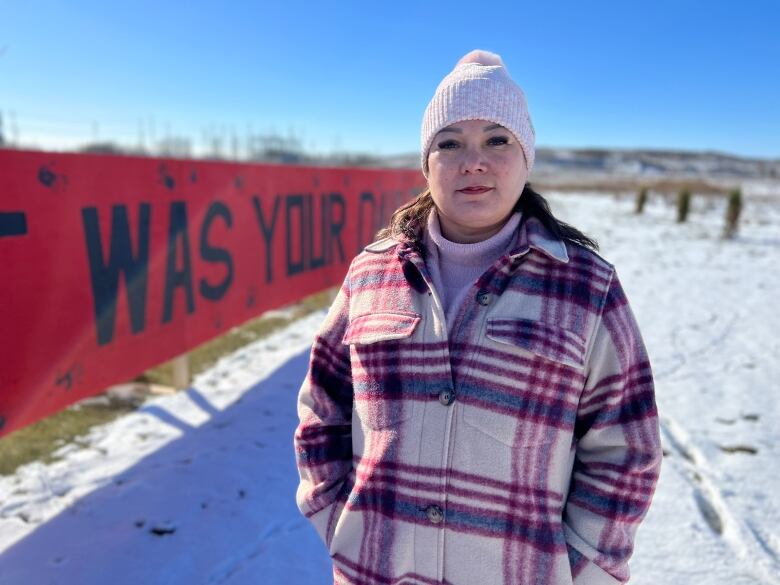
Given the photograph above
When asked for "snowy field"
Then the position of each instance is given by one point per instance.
(199, 487)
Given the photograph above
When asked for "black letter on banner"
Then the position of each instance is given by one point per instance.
(365, 197)
(214, 292)
(268, 233)
(177, 231)
(390, 202)
(336, 226)
(289, 202)
(382, 207)
(399, 199)
(105, 277)
(317, 261)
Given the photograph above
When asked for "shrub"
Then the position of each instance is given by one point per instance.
(641, 199)
(683, 205)
(733, 210)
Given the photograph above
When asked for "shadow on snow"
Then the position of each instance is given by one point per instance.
(216, 505)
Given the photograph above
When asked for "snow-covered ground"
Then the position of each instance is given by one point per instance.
(199, 487)
(713, 333)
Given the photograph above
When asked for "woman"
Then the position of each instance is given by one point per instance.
(479, 406)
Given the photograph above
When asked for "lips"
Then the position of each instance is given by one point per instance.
(476, 190)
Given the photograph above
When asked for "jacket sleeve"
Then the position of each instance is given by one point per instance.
(618, 450)
(323, 438)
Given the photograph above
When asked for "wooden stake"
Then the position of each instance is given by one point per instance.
(181, 372)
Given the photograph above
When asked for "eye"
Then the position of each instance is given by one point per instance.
(447, 145)
(498, 140)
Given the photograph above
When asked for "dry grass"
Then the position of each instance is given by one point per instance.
(39, 441)
(665, 186)
(206, 355)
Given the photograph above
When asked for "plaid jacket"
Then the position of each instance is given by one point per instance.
(524, 449)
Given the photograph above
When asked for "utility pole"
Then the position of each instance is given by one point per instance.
(141, 137)
(14, 130)
(234, 143)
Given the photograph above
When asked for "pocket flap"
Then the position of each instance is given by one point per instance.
(548, 341)
(380, 327)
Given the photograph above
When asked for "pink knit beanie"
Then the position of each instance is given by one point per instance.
(479, 88)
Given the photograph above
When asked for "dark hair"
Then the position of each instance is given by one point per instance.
(408, 221)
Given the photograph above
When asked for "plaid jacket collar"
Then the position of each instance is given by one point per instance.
(531, 234)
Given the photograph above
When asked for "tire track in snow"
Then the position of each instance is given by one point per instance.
(757, 550)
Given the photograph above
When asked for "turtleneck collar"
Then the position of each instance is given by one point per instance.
(476, 254)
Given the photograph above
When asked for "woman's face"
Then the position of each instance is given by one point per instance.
(476, 172)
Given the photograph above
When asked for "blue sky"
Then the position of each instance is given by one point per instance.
(357, 75)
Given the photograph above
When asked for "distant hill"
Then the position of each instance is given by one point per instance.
(654, 163)
(569, 168)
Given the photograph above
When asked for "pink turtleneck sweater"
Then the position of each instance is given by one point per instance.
(456, 267)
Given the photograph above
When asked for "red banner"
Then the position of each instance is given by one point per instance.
(113, 264)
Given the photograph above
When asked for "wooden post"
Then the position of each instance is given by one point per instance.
(683, 205)
(181, 372)
(641, 200)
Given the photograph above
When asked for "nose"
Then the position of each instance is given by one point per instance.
(473, 162)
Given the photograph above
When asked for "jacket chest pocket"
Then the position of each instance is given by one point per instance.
(383, 360)
(526, 382)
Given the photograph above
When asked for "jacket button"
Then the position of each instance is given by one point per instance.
(434, 513)
(483, 297)
(446, 397)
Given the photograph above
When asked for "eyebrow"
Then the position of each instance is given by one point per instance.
(459, 131)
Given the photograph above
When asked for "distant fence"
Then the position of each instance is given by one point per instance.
(110, 265)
